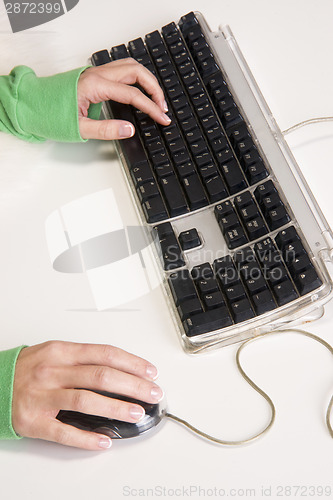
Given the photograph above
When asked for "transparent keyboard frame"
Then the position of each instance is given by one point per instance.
(307, 217)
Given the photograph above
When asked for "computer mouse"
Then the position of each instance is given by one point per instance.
(116, 429)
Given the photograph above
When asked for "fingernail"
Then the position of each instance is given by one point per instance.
(165, 106)
(156, 393)
(152, 372)
(166, 118)
(126, 130)
(137, 413)
(105, 442)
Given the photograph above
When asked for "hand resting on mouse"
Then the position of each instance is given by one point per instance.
(46, 380)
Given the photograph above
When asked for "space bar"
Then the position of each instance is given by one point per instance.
(132, 148)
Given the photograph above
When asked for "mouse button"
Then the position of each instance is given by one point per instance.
(112, 433)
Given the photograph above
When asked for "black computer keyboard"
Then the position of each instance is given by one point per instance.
(234, 254)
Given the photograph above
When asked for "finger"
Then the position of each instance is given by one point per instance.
(129, 71)
(72, 353)
(105, 90)
(54, 430)
(95, 404)
(105, 130)
(103, 378)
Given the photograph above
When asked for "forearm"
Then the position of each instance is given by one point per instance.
(39, 108)
(7, 370)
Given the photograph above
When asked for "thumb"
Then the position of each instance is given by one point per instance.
(105, 130)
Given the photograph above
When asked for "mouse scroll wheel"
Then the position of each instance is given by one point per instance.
(108, 432)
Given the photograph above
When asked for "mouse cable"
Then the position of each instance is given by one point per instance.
(260, 391)
(307, 122)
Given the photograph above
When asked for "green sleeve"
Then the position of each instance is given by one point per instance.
(7, 370)
(39, 108)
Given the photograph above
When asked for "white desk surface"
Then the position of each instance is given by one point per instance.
(288, 47)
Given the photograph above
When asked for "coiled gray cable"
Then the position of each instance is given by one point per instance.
(260, 391)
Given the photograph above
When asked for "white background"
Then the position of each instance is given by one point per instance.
(288, 46)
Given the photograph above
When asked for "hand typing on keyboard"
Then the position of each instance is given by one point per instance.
(115, 81)
(46, 380)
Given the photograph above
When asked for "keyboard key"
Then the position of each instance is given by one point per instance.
(225, 272)
(270, 259)
(270, 202)
(213, 300)
(256, 172)
(155, 146)
(153, 39)
(182, 286)
(299, 264)
(235, 293)
(278, 217)
(285, 292)
(180, 158)
(263, 247)
(171, 253)
(235, 237)
(223, 209)
(283, 238)
(250, 270)
(256, 285)
(169, 29)
(148, 190)
(238, 133)
(249, 212)
(215, 188)
(292, 251)
(241, 310)
(119, 52)
(263, 302)
(207, 171)
(233, 177)
(307, 281)
(164, 170)
(207, 321)
(142, 174)
(206, 286)
(136, 47)
(163, 230)
(189, 239)
(256, 228)
(160, 159)
(189, 307)
(264, 190)
(231, 117)
(101, 57)
(276, 275)
(244, 256)
(202, 271)
(194, 192)
(228, 222)
(244, 200)
(185, 169)
(154, 209)
(174, 196)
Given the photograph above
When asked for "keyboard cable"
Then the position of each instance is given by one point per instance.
(260, 391)
(307, 122)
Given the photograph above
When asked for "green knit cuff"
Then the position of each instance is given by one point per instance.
(47, 108)
(7, 371)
